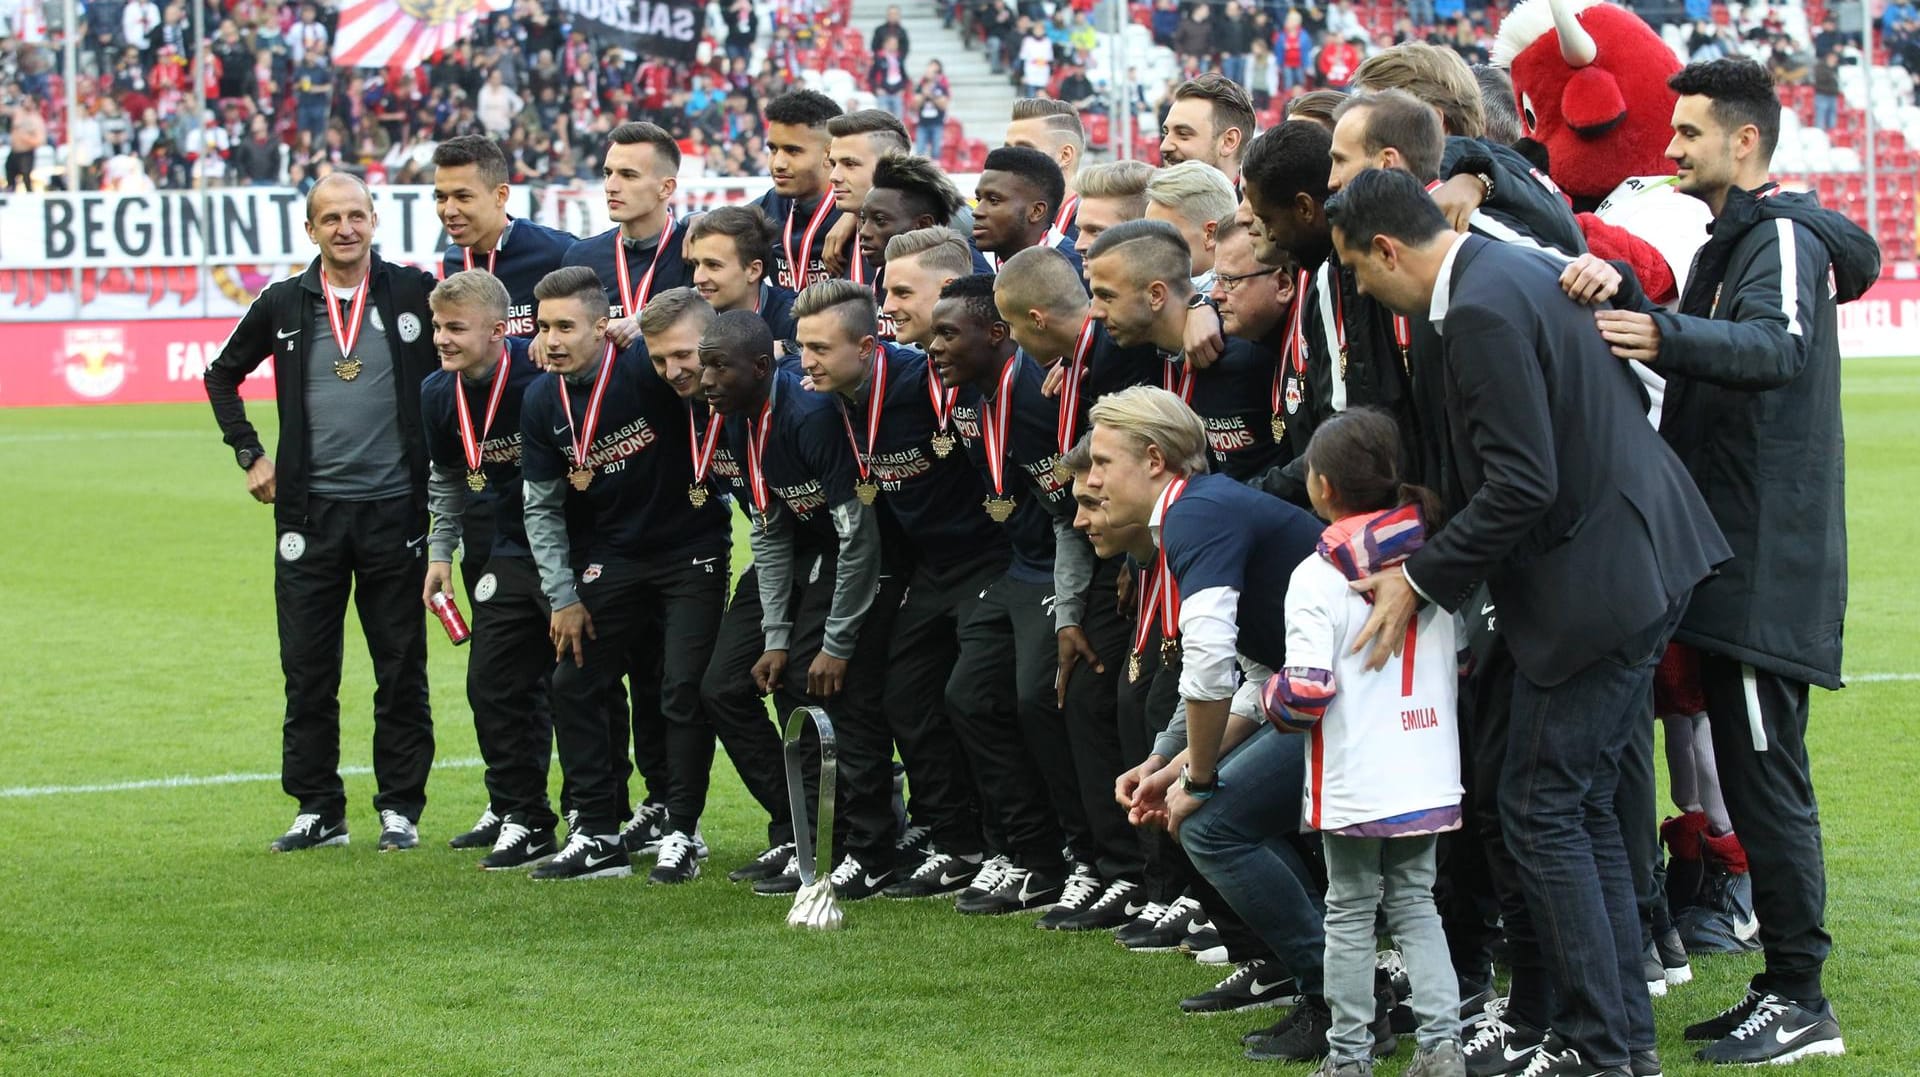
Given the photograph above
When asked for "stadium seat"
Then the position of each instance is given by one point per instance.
(1099, 128)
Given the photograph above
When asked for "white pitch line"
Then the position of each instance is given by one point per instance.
(189, 781)
(1880, 678)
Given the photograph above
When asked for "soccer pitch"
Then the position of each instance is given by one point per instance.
(144, 928)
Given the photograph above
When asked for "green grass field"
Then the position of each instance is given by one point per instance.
(147, 931)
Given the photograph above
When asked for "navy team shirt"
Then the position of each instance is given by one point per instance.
(1223, 533)
(641, 466)
(1109, 369)
(526, 252)
(808, 464)
(597, 254)
(1028, 476)
(934, 499)
(776, 309)
(779, 208)
(499, 447)
(1234, 397)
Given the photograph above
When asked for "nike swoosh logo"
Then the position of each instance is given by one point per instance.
(411, 543)
(283, 334)
(1256, 988)
(1783, 1036)
(329, 831)
(596, 861)
(1133, 908)
(562, 431)
(705, 560)
(1026, 891)
(873, 881)
(1515, 1056)
(948, 879)
(1486, 609)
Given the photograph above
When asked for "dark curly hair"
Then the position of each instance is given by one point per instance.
(1742, 93)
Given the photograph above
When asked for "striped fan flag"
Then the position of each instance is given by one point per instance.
(402, 33)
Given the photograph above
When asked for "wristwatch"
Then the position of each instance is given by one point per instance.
(246, 457)
(1202, 299)
(1197, 790)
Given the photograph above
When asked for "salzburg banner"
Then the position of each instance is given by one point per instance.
(133, 362)
(666, 28)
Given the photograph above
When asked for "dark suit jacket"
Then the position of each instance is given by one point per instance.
(1582, 522)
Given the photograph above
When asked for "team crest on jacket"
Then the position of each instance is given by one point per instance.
(1293, 393)
(373, 315)
(591, 574)
(409, 325)
(484, 588)
(292, 545)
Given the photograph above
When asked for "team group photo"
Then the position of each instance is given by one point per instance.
(1324, 538)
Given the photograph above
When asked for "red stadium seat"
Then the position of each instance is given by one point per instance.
(1099, 128)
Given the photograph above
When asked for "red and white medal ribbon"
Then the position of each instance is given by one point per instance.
(1069, 208)
(469, 442)
(756, 454)
(994, 421)
(1295, 353)
(797, 269)
(942, 398)
(1158, 592)
(492, 255)
(876, 401)
(349, 335)
(630, 297)
(856, 263)
(1067, 426)
(703, 448)
(583, 433)
(1176, 377)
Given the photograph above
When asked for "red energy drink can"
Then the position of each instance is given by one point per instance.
(450, 619)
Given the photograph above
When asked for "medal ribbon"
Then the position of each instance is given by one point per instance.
(1069, 207)
(876, 400)
(1180, 384)
(1070, 386)
(1295, 349)
(856, 263)
(796, 272)
(346, 338)
(942, 398)
(583, 435)
(756, 453)
(635, 298)
(1158, 590)
(993, 425)
(467, 254)
(703, 449)
(1402, 332)
(468, 442)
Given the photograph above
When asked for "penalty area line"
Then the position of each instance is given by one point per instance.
(192, 781)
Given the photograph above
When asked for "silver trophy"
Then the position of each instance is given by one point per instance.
(814, 906)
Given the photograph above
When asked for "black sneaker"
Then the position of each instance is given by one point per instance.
(984, 881)
(854, 881)
(1117, 905)
(518, 846)
(1645, 1063)
(1499, 1048)
(1475, 1003)
(1301, 1036)
(784, 884)
(485, 832)
(765, 866)
(1021, 889)
(1166, 933)
(397, 832)
(936, 876)
(679, 861)
(587, 857)
(1674, 965)
(1390, 971)
(309, 832)
(1652, 971)
(1722, 1024)
(1255, 985)
(643, 833)
(913, 844)
(1385, 1040)
(1204, 944)
(1081, 890)
(1558, 1061)
(1777, 1031)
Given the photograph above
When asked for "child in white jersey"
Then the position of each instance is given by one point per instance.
(1383, 756)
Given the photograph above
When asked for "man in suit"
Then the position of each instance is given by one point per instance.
(1569, 487)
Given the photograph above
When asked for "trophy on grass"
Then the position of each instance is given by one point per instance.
(814, 906)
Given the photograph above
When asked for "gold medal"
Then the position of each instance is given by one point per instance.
(346, 369)
(697, 495)
(1170, 653)
(866, 491)
(942, 444)
(999, 508)
(1343, 362)
(1133, 668)
(476, 479)
(1279, 428)
(580, 477)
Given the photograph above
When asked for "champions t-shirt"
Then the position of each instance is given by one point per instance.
(526, 252)
(1222, 533)
(598, 254)
(1028, 475)
(807, 462)
(499, 444)
(642, 467)
(1234, 397)
(779, 209)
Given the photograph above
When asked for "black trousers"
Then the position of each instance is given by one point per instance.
(920, 662)
(509, 670)
(375, 551)
(1635, 802)
(683, 599)
(637, 728)
(1759, 722)
(1001, 697)
(1093, 735)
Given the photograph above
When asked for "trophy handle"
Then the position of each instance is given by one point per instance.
(815, 858)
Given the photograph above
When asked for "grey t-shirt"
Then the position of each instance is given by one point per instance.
(353, 427)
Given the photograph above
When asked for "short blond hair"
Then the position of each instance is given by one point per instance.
(1195, 190)
(673, 306)
(851, 303)
(1150, 415)
(1123, 181)
(939, 248)
(472, 289)
(1433, 74)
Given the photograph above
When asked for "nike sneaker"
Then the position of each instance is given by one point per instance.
(1020, 889)
(912, 845)
(1082, 889)
(518, 845)
(784, 884)
(1722, 1024)
(854, 881)
(643, 833)
(985, 881)
(1645, 1063)
(483, 835)
(936, 876)
(1674, 966)
(1203, 939)
(678, 861)
(1776, 1031)
(765, 866)
(1301, 1036)
(1166, 933)
(1443, 1059)
(588, 857)
(1501, 1048)
(310, 832)
(1556, 1061)
(1118, 904)
(1254, 985)
(1653, 971)
(397, 832)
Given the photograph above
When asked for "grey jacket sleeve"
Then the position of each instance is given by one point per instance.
(447, 501)
(772, 544)
(547, 535)
(856, 576)
(1073, 563)
(1172, 740)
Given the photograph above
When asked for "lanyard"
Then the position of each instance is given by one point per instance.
(756, 454)
(583, 434)
(876, 401)
(856, 263)
(796, 272)
(469, 443)
(994, 420)
(348, 336)
(1180, 384)
(1159, 591)
(630, 297)
(1295, 349)
(1069, 208)
(942, 399)
(1066, 426)
(702, 449)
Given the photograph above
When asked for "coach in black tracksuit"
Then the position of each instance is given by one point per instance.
(350, 503)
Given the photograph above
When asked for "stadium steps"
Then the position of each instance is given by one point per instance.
(981, 99)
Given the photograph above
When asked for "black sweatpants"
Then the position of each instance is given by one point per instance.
(1759, 722)
(683, 599)
(375, 550)
(1093, 735)
(509, 666)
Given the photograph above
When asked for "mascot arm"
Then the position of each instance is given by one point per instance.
(1518, 191)
(1649, 266)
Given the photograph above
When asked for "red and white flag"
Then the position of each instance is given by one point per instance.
(404, 33)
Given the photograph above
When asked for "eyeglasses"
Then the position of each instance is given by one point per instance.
(1231, 282)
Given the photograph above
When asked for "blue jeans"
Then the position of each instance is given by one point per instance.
(927, 136)
(1242, 839)
(1564, 747)
(1826, 111)
(1358, 871)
